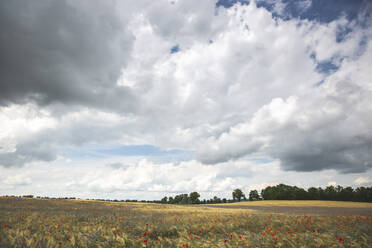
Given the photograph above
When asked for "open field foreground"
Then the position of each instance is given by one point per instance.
(74, 223)
(303, 207)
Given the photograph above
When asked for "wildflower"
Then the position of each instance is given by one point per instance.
(341, 239)
(231, 236)
(145, 241)
(240, 237)
(314, 231)
(5, 225)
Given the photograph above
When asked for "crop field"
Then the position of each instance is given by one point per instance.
(77, 223)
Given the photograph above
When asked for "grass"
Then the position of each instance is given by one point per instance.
(74, 223)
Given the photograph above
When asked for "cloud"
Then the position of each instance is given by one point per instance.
(244, 83)
(12, 182)
(327, 129)
(63, 52)
(363, 181)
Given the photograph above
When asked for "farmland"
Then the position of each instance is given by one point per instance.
(78, 223)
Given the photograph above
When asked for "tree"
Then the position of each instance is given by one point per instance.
(330, 193)
(164, 199)
(194, 198)
(216, 200)
(185, 199)
(313, 193)
(238, 194)
(253, 195)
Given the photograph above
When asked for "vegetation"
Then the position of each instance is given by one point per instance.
(338, 193)
(34, 222)
(238, 195)
(278, 192)
(282, 192)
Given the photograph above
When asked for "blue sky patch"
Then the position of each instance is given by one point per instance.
(175, 49)
(326, 67)
(320, 10)
(95, 151)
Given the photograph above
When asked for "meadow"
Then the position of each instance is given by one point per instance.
(79, 223)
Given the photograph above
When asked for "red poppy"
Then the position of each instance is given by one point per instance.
(5, 225)
(341, 239)
(145, 241)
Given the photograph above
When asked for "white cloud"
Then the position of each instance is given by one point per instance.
(242, 85)
(362, 181)
(332, 183)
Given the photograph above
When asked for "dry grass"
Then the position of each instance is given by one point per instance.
(72, 223)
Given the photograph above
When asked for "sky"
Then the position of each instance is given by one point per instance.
(145, 99)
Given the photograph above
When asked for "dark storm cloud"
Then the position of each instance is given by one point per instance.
(327, 148)
(57, 51)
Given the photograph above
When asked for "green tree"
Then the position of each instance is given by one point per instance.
(253, 195)
(194, 197)
(164, 199)
(238, 194)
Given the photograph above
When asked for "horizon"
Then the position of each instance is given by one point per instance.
(144, 100)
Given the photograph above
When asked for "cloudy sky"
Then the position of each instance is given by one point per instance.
(141, 99)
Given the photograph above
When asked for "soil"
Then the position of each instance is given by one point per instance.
(303, 210)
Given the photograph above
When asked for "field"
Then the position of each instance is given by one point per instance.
(77, 223)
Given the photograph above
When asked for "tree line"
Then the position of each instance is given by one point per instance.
(278, 192)
(281, 192)
(332, 193)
